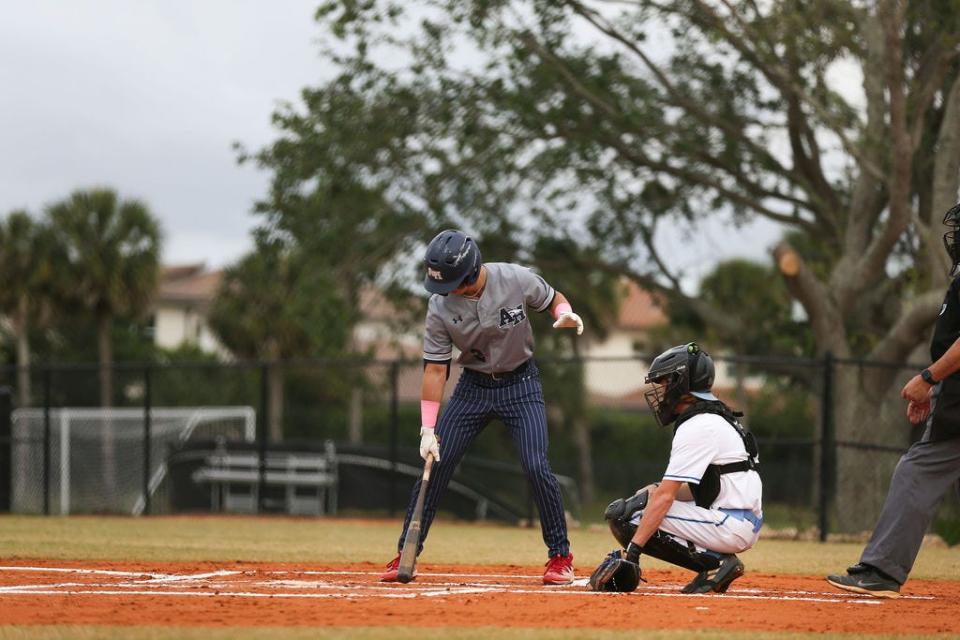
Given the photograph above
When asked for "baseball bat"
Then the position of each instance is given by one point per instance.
(408, 556)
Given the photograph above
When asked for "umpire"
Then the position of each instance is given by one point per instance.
(932, 465)
(483, 310)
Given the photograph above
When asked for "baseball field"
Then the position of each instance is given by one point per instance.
(247, 577)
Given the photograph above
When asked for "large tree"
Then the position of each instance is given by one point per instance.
(276, 304)
(26, 263)
(110, 262)
(838, 119)
(357, 186)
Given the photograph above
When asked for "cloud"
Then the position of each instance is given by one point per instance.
(148, 97)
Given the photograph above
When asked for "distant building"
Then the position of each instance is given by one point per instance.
(381, 334)
(615, 371)
(613, 374)
(182, 305)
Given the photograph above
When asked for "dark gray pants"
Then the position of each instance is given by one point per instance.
(921, 479)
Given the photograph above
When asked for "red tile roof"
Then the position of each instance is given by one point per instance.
(639, 309)
(188, 283)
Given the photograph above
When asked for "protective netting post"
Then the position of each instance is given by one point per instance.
(147, 467)
(827, 447)
(263, 419)
(47, 400)
(394, 433)
(6, 448)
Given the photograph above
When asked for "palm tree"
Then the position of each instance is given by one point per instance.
(273, 305)
(25, 266)
(111, 253)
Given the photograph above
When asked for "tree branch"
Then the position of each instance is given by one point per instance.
(826, 322)
(870, 267)
(639, 158)
(865, 204)
(780, 79)
(934, 66)
(679, 99)
(904, 335)
(946, 172)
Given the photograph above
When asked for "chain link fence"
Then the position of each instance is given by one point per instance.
(829, 430)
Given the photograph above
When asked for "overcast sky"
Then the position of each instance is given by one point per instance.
(148, 96)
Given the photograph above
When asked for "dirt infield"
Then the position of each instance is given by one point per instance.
(259, 594)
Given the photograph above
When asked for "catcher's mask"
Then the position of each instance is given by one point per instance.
(678, 371)
(952, 237)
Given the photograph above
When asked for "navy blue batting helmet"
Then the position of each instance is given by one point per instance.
(452, 260)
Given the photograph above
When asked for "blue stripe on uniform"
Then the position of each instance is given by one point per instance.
(710, 522)
(683, 479)
(519, 404)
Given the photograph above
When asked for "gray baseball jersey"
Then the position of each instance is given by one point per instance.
(492, 333)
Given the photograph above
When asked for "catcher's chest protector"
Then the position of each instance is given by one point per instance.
(708, 489)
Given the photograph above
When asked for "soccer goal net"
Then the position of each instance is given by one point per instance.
(95, 457)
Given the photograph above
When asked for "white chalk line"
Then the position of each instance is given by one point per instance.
(436, 574)
(420, 594)
(105, 572)
(195, 577)
(433, 589)
(424, 589)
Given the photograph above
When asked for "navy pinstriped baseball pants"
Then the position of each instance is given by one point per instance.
(518, 403)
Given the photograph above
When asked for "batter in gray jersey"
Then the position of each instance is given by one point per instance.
(492, 332)
(484, 311)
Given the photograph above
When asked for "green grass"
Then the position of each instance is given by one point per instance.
(330, 540)
(390, 633)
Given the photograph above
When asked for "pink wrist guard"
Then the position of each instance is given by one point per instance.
(563, 307)
(428, 413)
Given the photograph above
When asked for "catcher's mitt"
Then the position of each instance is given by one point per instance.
(615, 573)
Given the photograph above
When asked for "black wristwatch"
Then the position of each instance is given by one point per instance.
(928, 377)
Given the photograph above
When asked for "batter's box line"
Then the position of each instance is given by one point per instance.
(420, 587)
(160, 579)
(582, 582)
(104, 572)
(419, 574)
(831, 594)
(418, 594)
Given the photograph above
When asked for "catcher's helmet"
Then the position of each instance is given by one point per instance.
(452, 260)
(681, 370)
(951, 239)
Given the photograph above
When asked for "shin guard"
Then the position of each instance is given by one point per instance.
(663, 546)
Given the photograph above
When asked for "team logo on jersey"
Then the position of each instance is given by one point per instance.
(434, 273)
(512, 316)
(457, 319)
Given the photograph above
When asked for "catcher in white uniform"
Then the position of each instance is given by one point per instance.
(707, 508)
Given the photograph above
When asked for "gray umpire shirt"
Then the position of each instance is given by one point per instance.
(492, 333)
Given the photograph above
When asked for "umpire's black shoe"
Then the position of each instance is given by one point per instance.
(872, 582)
(717, 580)
(859, 568)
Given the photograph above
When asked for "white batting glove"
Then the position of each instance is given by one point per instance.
(569, 319)
(429, 444)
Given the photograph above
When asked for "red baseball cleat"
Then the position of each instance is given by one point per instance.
(393, 567)
(559, 570)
